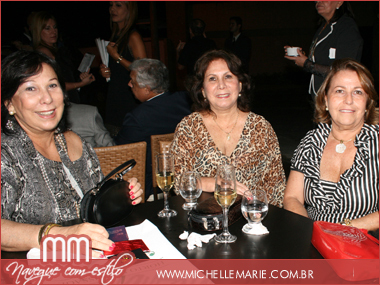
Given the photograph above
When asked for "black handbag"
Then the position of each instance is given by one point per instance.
(208, 215)
(109, 202)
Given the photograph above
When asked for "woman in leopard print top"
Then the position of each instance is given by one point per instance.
(222, 130)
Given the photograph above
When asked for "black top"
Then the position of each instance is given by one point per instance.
(338, 40)
(160, 115)
(242, 48)
(120, 99)
(193, 50)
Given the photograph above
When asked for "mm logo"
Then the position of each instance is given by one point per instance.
(65, 248)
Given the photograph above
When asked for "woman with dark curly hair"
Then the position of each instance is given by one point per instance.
(223, 130)
(335, 169)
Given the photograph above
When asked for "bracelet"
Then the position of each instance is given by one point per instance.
(119, 59)
(45, 230)
(346, 222)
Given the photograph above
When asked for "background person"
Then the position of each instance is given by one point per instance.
(238, 43)
(126, 45)
(86, 121)
(159, 112)
(188, 53)
(335, 169)
(45, 39)
(222, 130)
(337, 37)
(40, 157)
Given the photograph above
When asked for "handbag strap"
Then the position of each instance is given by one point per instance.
(128, 165)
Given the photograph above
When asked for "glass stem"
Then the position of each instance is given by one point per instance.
(225, 221)
(166, 203)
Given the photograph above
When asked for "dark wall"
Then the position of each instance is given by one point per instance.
(270, 24)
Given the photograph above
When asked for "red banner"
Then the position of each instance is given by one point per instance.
(124, 269)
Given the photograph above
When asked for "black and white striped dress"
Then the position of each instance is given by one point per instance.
(356, 194)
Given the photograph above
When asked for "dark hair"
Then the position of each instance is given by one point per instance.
(238, 21)
(198, 27)
(195, 84)
(366, 80)
(16, 69)
(151, 73)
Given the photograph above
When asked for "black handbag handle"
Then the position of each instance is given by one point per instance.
(128, 165)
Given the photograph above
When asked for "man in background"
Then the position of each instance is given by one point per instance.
(238, 43)
(159, 113)
(188, 53)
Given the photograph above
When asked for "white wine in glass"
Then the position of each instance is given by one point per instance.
(165, 180)
(225, 197)
(225, 194)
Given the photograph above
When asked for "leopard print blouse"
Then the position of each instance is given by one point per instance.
(256, 158)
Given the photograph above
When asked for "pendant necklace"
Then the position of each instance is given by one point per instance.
(228, 133)
(340, 147)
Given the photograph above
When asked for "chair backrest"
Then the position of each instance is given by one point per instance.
(156, 149)
(165, 146)
(111, 157)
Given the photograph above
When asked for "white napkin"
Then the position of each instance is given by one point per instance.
(195, 240)
(157, 243)
(258, 229)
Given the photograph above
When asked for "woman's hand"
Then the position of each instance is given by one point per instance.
(135, 191)
(240, 188)
(105, 71)
(97, 233)
(298, 60)
(112, 50)
(86, 78)
(180, 46)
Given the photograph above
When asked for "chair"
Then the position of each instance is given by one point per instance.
(156, 149)
(165, 146)
(111, 157)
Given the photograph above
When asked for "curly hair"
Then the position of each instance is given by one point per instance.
(366, 80)
(195, 83)
(16, 69)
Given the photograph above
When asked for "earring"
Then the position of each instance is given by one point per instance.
(327, 109)
(11, 113)
(239, 94)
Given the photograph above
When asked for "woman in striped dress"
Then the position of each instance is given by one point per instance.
(335, 168)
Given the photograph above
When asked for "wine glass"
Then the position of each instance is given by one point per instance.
(190, 189)
(254, 207)
(225, 194)
(165, 180)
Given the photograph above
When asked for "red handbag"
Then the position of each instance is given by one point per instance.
(336, 241)
(351, 252)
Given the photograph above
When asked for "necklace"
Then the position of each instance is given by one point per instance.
(340, 147)
(228, 133)
(47, 181)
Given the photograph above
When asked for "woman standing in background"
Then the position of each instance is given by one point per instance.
(337, 37)
(45, 39)
(125, 46)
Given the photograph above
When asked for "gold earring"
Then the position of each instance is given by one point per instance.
(11, 113)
